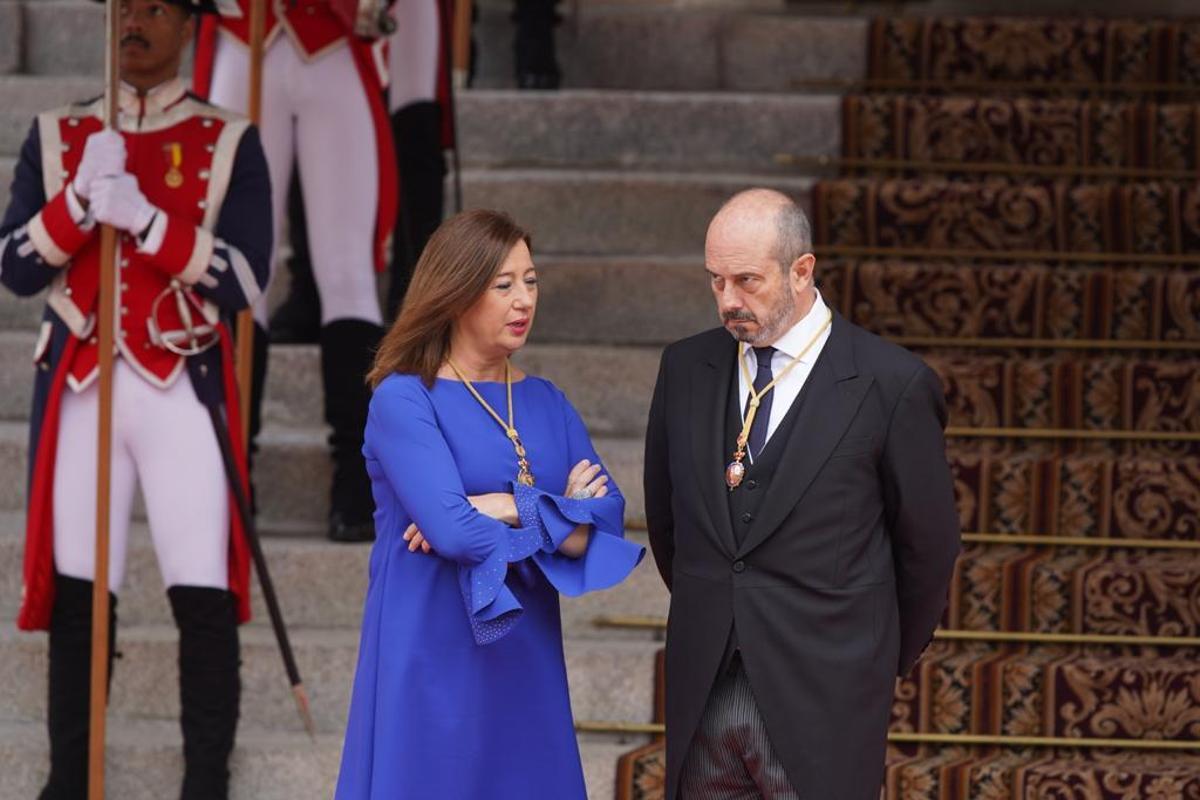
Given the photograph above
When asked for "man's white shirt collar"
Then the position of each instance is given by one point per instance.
(800, 334)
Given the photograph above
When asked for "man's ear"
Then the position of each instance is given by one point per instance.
(801, 273)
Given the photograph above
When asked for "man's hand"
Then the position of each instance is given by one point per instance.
(118, 201)
(583, 482)
(103, 156)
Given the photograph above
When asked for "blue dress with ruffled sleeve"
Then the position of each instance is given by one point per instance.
(461, 687)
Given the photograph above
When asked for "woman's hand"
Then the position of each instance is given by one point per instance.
(583, 482)
(413, 536)
(497, 505)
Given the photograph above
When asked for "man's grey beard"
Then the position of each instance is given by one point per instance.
(769, 330)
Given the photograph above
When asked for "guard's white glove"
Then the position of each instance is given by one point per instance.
(118, 201)
(103, 154)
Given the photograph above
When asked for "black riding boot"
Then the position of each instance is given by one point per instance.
(417, 131)
(70, 686)
(297, 320)
(209, 687)
(347, 350)
(533, 45)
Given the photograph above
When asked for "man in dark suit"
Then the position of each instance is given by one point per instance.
(801, 511)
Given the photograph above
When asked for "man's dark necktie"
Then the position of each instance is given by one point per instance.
(758, 431)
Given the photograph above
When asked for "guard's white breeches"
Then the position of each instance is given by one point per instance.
(315, 114)
(413, 52)
(164, 440)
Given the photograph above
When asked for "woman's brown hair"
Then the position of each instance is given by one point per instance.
(455, 269)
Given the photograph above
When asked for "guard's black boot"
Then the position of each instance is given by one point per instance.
(209, 687)
(533, 46)
(297, 320)
(417, 130)
(70, 686)
(347, 350)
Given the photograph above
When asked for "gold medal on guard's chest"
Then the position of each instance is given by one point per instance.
(174, 153)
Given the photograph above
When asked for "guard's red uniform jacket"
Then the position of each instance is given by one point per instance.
(204, 169)
(315, 27)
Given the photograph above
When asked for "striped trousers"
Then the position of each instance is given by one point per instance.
(731, 757)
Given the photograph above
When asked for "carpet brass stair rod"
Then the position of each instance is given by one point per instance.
(1015, 342)
(964, 432)
(941, 86)
(834, 163)
(898, 253)
(630, 622)
(1106, 543)
(958, 739)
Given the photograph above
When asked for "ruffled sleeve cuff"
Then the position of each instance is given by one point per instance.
(609, 557)
(492, 608)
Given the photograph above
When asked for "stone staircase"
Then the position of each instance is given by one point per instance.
(617, 181)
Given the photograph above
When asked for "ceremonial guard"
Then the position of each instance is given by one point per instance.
(186, 186)
(422, 129)
(323, 75)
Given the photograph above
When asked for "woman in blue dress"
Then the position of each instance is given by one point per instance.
(490, 502)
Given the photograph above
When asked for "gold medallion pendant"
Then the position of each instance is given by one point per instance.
(524, 476)
(734, 474)
(173, 179)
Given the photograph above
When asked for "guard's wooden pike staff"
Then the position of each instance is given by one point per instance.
(246, 514)
(105, 337)
(245, 372)
(459, 54)
(245, 318)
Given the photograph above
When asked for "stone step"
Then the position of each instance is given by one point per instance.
(23, 97)
(293, 470)
(687, 131)
(609, 680)
(646, 300)
(321, 584)
(605, 46)
(610, 212)
(571, 128)
(689, 46)
(144, 762)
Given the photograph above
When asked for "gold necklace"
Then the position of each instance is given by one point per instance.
(736, 470)
(524, 476)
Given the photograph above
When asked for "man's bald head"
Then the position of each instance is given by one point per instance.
(758, 257)
(762, 220)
